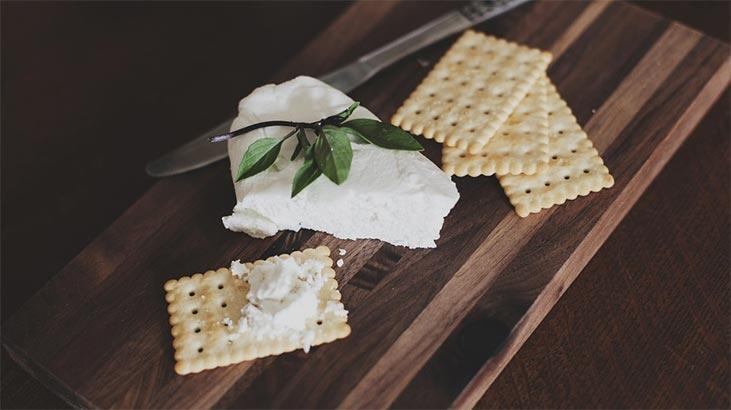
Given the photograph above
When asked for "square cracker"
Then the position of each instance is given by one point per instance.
(471, 91)
(574, 168)
(520, 146)
(200, 304)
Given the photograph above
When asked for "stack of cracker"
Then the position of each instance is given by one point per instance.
(496, 112)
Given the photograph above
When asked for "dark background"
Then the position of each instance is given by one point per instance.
(92, 91)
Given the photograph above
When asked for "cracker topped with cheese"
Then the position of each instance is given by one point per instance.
(267, 307)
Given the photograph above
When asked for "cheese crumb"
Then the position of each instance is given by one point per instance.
(340, 263)
(342, 251)
(239, 269)
(335, 308)
(307, 340)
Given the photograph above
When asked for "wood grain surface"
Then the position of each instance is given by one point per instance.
(652, 332)
(111, 346)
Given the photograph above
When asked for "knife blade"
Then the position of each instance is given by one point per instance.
(199, 152)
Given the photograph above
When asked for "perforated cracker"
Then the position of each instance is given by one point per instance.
(204, 310)
(574, 168)
(519, 146)
(471, 91)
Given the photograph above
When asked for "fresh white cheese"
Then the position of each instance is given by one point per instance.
(283, 300)
(238, 268)
(396, 196)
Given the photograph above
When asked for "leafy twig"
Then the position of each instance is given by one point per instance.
(331, 153)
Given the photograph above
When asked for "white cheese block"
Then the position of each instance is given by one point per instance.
(398, 197)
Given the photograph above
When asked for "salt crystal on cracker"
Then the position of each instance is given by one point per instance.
(204, 307)
(471, 91)
(574, 168)
(519, 146)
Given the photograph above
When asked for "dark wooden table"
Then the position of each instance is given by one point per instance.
(81, 80)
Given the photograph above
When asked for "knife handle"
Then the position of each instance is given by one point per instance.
(349, 77)
(356, 73)
(430, 33)
(470, 14)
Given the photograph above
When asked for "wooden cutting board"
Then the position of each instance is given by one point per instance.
(431, 328)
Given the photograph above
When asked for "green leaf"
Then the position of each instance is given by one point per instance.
(296, 152)
(354, 135)
(333, 153)
(310, 153)
(343, 115)
(259, 156)
(306, 175)
(302, 142)
(302, 137)
(384, 135)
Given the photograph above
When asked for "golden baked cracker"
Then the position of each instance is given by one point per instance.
(519, 146)
(574, 168)
(205, 308)
(471, 91)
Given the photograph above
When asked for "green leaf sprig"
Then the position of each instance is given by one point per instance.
(330, 154)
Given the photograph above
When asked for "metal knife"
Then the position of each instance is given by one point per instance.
(199, 152)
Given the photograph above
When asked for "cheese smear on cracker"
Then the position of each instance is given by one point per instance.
(399, 197)
(283, 300)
